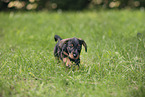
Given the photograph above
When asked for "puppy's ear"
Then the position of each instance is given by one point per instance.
(62, 42)
(84, 44)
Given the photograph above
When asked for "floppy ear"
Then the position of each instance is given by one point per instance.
(84, 44)
(62, 42)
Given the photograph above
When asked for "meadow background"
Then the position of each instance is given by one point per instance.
(113, 66)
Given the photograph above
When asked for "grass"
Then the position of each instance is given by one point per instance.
(113, 66)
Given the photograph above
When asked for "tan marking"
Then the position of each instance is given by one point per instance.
(64, 60)
(72, 57)
(65, 53)
(71, 45)
(67, 61)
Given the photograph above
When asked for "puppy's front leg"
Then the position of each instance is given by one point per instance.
(66, 61)
(77, 62)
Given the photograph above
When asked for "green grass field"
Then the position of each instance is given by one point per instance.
(113, 66)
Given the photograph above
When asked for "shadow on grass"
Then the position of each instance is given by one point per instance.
(4, 90)
(138, 92)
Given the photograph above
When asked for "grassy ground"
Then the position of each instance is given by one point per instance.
(113, 66)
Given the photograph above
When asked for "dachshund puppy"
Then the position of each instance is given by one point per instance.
(69, 49)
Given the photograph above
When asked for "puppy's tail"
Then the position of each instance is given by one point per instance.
(57, 38)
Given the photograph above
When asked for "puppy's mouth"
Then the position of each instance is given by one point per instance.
(73, 55)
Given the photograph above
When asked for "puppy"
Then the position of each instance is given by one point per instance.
(69, 49)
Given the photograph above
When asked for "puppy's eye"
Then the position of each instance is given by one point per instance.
(71, 46)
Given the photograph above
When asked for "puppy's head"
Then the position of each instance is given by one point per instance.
(73, 47)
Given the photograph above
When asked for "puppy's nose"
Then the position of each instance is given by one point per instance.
(75, 55)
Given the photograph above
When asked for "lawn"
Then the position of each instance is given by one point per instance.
(113, 66)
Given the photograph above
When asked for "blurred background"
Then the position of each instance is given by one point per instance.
(36, 5)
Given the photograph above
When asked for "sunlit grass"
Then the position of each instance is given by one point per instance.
(113, 65)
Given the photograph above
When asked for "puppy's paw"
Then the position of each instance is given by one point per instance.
(68, 66)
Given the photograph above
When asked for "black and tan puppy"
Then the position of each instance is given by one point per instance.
(69, 49)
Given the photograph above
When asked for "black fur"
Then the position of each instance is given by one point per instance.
(56, 37)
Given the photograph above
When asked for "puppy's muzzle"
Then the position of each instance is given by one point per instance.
(75, 55)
